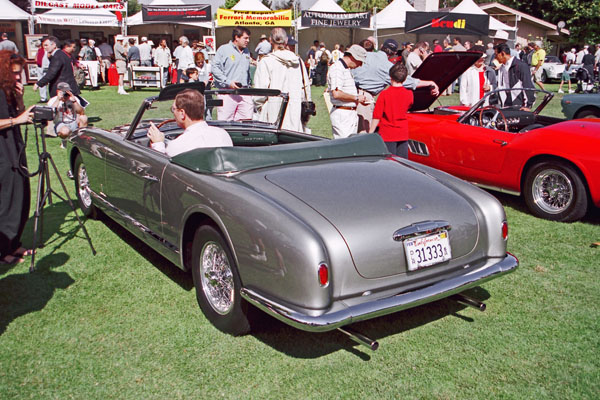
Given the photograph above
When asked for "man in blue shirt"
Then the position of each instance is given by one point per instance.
(374, 76)
(231, 70)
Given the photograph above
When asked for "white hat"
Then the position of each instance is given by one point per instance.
(500, 34)
(358, 52)
(119, 37)
(144, 39)
(573, 50)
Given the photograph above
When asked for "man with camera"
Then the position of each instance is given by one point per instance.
(68, 112)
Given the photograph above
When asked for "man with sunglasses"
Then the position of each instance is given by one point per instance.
(188, 110)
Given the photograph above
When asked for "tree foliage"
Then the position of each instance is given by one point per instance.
(230, 3)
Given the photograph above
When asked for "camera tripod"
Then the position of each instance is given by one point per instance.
(45, 192)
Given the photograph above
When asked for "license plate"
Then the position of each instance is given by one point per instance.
(424, 251)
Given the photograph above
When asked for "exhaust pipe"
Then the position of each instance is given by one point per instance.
(469, 301)
(360, 338)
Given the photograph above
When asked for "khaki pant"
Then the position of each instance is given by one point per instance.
(365, 112)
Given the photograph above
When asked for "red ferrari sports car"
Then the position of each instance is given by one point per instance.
(552, 162)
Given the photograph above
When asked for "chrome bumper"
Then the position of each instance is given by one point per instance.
(376, 308)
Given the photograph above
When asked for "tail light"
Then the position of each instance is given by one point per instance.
(504, 230)
(323, 274)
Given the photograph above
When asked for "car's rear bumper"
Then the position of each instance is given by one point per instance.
(330, 320)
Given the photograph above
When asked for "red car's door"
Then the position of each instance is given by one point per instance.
(473, 149)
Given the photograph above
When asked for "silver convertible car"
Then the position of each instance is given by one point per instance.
(317, 233)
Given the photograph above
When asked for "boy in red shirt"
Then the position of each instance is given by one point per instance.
(390, 112)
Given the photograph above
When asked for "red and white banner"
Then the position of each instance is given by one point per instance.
(80, 5)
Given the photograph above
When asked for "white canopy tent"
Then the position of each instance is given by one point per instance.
(12, 12)
(9, 18)
(390, 22)
(469, 7)
(78, 17)
(168, 30)
(250, 5)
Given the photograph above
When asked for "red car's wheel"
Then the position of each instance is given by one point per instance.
(554, 190)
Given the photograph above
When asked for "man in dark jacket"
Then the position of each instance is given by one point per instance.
(514, 74)
(60, 68)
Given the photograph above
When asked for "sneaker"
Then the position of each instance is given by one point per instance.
(123, 92)
(560, 91)
(571, 91)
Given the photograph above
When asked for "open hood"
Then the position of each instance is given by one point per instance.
(443, 69)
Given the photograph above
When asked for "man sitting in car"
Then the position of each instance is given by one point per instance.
(188, 110)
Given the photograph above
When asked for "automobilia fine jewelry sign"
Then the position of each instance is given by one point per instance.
(336, 20)
(226, 17)
(186, 13)
(449, 23)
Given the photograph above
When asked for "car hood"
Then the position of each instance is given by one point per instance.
(443, 69)
(368, 200)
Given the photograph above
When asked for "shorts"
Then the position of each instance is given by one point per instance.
(565, 77)
(106, 63)
(537, 75)
(71, 125)
(121, 67)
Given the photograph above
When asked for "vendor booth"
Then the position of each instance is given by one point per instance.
(11, 19)
(327, 22)
(170, 28)
(255, 16)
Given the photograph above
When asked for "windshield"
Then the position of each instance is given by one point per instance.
(552, 59)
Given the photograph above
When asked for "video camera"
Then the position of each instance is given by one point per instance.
(43, 113)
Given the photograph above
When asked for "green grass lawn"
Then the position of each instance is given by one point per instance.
(125, 323)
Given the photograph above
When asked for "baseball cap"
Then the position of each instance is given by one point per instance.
(500, 34)
(291, 41)
(63, 86)
(263, 36)
(119, 37)
(390, 44)
(144, 39)
(358, 52)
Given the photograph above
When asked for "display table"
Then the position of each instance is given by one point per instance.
(146, 77)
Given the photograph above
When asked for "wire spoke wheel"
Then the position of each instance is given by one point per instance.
(555, 190)
(217, 282)
(217, 278)
(552, 191)
(83, 184)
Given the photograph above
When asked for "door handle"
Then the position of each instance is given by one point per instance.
(500, 142)
(150, 178)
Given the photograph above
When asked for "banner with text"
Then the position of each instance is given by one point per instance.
(80, 5)
(186, 13)
(447, 23)
(336, 20)
(226, 17)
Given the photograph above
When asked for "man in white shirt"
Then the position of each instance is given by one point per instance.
(188, 110)
(185, 57)
(415, 58)
(344, 95)
(145, 53)
(162, 58)
(580, 54)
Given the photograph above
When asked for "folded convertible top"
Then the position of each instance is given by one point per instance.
(217, 160)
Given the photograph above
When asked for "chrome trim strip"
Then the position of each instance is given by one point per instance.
(134, 222)
(496, 189)
(421, 228)
(332, 320)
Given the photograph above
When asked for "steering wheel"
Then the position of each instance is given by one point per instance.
(160, 126)
(497, 112)
(165, 122)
